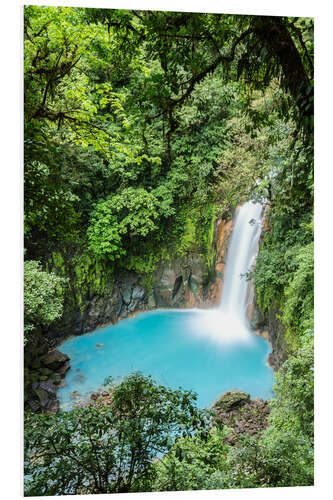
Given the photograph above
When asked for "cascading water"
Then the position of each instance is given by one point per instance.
(242, 253)
(228, 323)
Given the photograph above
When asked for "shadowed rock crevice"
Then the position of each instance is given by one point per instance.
(177, 285)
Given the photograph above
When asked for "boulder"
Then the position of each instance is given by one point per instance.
(151, 301)
(53, 406)
(33, 405)
(74, 395)
(231, 400)
(62, 370)
(55, 359)
(163, 288)
(49, 387)
(43, 397)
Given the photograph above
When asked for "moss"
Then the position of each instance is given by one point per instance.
(208, 236)
(188, 239)
(147, 281)
(231, 400)
(90, 276)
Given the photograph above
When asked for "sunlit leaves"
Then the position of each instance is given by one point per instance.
(108, 448)
(43, 296)
(133, 212)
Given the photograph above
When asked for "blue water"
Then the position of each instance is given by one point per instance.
(192, 349)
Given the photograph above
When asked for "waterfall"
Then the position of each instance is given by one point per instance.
(228, 323)
(241, 256)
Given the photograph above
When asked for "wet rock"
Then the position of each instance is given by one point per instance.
(49, 387)
(33, 405)
(54, 406)
(276, 335)
(151, 301)
(126, 295)
(99, 345)
(63, 369)
(55, 359)
(138, 292)
(132, 306)
(96, 305)
(164, 287)
(94, 396)
(43, 397)
(74, 395)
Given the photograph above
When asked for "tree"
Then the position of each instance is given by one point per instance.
(195, 463)
(43, 300)
(190, 46)
(132, 212)
(108, 448)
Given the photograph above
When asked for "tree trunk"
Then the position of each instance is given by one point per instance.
(273, 33)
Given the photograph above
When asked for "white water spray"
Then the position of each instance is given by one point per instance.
(228, 323)
(241, 256)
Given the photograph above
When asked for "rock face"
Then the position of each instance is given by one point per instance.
(276, 337)
(271, 328)
(223, 231)
(242, 415)
(268, 324)
(103, 298)
(180, 283)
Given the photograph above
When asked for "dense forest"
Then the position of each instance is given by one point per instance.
(141, 128)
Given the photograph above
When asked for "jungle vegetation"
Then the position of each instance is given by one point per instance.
(139, 128)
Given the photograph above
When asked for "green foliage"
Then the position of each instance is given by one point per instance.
(194, 463)
(133, 212)
(289, 187)
(298, 308)
(284, 274)
(139, 128)
(58, 89)
(188, 237)
(107, 449)
(292, 406)
(282, 459)
(43, 296)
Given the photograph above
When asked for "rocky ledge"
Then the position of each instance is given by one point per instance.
(243, 416)
(42, 394)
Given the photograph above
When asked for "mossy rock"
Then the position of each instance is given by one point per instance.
(232, 400)
(46, 371)
(33, 376)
